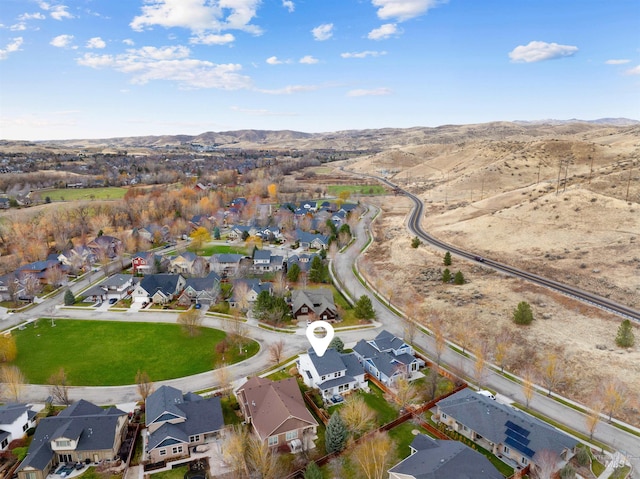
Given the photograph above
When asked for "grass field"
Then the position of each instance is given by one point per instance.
(74, 194)
(109, 353)
(335, 190)
(218, 249)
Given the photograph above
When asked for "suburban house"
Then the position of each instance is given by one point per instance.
(312, 240)
(5, 203)
(146, 262)
(264, 261)
(15, 420)
(10, 287)
(117, 287)
(507, 432)
(333, 373)
(277, 413)
(83, 432)
(78, 258)
(43, 271)
(387, 357)
(177, 423)
(226, 264)
(201, 290)
(443, 459)
(105, 246)
(153, 233)
(188, 263)
(303, 260)
(158, 288)
(247, 290)
(317, 303)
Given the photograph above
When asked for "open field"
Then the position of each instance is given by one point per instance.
(373, 189)
(108, 353)
(75, 194)
(208, 250)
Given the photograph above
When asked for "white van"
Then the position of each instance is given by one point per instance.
(489, 394)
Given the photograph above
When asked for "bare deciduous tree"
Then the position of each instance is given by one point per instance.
(191, 320)
(527, 386)
(545, 464)
(13, 380)
(251, 457)
(614, 396)
(374, 455)
(406, 392)
(59, 387)
(358, 416)
(144, 385)
(240, 292)
(480, 363)
(551, 372)
(223, 378)
(593, 417)
(501, 346)
(275, 351)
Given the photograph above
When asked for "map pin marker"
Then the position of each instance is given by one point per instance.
(320, 342)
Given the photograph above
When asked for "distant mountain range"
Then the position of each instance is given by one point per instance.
(599, 121)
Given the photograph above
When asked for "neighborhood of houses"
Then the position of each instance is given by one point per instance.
(180, 427)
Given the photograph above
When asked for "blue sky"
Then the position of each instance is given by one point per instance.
(104, 68)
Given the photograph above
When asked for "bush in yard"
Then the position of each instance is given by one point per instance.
(336, 434)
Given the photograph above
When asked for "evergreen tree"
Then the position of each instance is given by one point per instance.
(318, 272)
(625, 337)
(447, 259)
(415, 242)
(216, 233)
(312, 471)
(446, 275)
(69, 298)
(335, 434)
(293, 272)
(523, 314)
(337, 344)
(363, 309)
(458, 278)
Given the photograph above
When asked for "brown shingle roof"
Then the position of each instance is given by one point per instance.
(275, 407)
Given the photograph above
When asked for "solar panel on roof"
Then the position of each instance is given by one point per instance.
(518, 437)
(518, 429)
(518, 446)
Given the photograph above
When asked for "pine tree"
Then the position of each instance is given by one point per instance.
(312, 471)
(625, 337)
(363, 309)
(447, 259)
(523, 314)
(337, 344)
(335, 434)
(446, 275)
(293, 272)
(458, 278)
(69, 298)
(415, 242)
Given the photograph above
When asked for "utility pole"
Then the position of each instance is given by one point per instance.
(558, 181)
(566, 170)
(626, 198)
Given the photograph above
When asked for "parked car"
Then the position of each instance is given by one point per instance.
(198, 306)
(113, 300)
(336, 399)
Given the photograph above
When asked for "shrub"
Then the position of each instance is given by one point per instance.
(415, 242)
(523, 314)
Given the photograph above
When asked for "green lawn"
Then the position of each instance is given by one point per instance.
(208, 250)
(403, 435)
(385, 412)
(375, 189)
(177, 473)
(109, 353)
(73, 194)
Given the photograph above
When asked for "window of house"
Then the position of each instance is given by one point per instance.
(273, 440)
(336, 375)
(176, 450)
(25, 427)
(63, 443)
(5, 443)
(31, 475)
(465, 428)
(444, 416)
(291, 435)
(506, 450)
(163, 452)
(195, 438)
(524, 461)
(324, 377)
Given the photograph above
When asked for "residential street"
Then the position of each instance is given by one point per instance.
(297, 343)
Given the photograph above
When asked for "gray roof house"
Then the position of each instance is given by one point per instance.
(15, 419)
(333, 373)
(81, 432)
(503, 430)
(318, 302)
(312, 240)
(117, 286)
(176, 422)
(253, 288)
(159, 288)
(201, 290)
(438, 459)
(226, 263)
(387, 357)
(264, 261)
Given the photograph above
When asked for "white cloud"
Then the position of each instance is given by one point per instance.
(13, 46)
(633, 71)
(171, 64)
(261, 112)
(308, 60)
(199, 16)
(323, 32)
(385, 31)
(59, 12)
(96, 42)
(61, 41)
(538, 51)
(213, 39)
(128, 41)
(289, 5)
(32, 16)
(18, 27)
(374, 92)
(403, 10)
(290, 89)
(274, 61)
(617, 62)
(364, 54)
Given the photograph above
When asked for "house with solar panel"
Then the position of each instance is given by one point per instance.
(508, 433)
